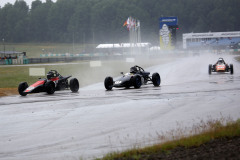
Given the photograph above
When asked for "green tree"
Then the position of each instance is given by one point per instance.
(100, 21)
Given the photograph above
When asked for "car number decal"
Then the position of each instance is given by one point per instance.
(118, 82)
(30, 88)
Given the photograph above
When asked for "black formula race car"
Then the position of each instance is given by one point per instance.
(53, 82)
(220, 66)
(135, 78)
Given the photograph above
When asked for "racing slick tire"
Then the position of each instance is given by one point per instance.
(108, 83)
(209, 69)
(137, 81)
(156, 79)
(50, 87)
(231, 68)
(74, 85)
(21, 88)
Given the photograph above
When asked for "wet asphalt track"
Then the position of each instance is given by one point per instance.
(94, 122)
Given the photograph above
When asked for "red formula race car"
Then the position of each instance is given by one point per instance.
(53, 82)
(220, 66)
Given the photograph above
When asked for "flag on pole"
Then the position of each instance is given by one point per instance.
(131, 23)
(125, 23)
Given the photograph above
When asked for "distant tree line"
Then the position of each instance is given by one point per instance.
(101, 21)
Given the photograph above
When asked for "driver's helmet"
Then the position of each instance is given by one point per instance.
(133, 69)
(50, 75)
(220, 60)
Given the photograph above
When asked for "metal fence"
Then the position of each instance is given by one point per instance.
(57, 59)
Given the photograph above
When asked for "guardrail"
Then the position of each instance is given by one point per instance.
(72, 58)
(53, 58)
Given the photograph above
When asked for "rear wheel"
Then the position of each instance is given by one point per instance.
(231, 68)
(108, 83)
(74, 85)
(137, 82)
(50, 87)
(156, 79)
(22, 87)
(209, 69)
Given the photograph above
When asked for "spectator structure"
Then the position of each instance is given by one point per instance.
(12, 57)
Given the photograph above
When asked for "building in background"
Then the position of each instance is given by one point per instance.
(212, 40)
(124, 48)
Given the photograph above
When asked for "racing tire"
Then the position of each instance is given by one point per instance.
(108, 83)
(156, 79)
(74, 85)
(209, 69)
(22, 87)
(50, 87)
(137, 82)
(231, 68)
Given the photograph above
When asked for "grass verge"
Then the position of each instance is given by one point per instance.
(237, 58)
(8, 91)
(34, 50)
(210, 130)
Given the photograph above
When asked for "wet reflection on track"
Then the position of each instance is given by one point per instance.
(94, 121)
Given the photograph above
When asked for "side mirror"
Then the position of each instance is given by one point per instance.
(121, 73)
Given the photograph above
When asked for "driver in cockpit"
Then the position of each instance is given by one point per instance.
(220, 61)
(50, 75)
(133, 70)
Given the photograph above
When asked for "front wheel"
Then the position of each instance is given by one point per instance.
(137, 82)
(209, 69)
(231, 68)
(108, 83)
(156, 79)
(22, 87)
(50, 87)
(74, 85)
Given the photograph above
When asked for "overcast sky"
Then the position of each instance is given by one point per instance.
(29, 2)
